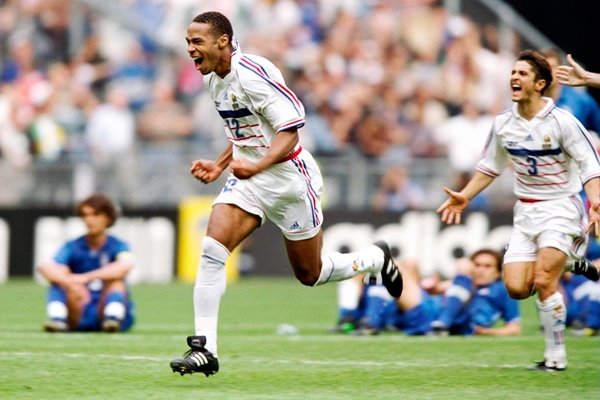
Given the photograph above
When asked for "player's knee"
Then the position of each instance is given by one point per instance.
(543, 281)
(214, 254)
(519, 293)
(518, 290)
(306, 277)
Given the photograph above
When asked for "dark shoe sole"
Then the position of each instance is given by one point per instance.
(182, 367)
(541, 366)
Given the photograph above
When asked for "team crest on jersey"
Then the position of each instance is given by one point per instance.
(547, 142)
(235, 105)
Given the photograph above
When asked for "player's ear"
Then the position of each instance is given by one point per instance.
(540, 85)
(223, 41)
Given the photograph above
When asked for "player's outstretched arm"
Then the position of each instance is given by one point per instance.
(575, 75)
(456, 203)
(592, 191)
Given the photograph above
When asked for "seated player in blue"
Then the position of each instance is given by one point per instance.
(471, 303)
(87, 289)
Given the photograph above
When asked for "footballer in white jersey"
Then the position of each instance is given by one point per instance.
(255, 105)
(271, 178)
(552, 156)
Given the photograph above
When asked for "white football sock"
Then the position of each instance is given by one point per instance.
(56, 310)
(553, 314)
(115, 309)
(338, 267)
(211, 281)
(348, 294)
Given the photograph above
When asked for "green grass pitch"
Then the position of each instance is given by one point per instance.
(256, 363)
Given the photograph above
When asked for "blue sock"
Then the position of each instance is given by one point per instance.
(348, 314)
(455, 298)
(416, 321)
(593, 316)
(376, 311)
(115, 296)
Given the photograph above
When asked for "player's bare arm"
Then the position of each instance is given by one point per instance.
(592, 191)
(207, 171)
(281, 146)
(453, 207)
(576, 75)
(116, 270)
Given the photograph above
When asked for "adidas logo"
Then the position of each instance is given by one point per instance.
(295, 226)
(529, 138)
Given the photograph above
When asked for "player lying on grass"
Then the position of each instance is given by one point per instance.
(475, 302)
(87, 289)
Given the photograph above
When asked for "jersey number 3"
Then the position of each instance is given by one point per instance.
(533, 168)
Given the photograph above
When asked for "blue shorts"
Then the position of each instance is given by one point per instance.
(91, 316)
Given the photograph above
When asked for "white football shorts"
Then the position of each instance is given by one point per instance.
(288, 194)
(551, 223)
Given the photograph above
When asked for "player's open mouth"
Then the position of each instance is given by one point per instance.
(198, 61)
(516, 88)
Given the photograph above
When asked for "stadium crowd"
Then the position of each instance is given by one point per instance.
(389, 81)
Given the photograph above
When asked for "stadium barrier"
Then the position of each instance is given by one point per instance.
(166, 241)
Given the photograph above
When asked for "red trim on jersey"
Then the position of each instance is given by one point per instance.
(290, 156)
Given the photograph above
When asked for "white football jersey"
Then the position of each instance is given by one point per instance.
(255, 104)
(552, 154)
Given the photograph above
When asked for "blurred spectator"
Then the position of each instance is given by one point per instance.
(91, 67)
(397, 192)
(110, 138)
(371, 135)
(464, 136)
(110, 131)
(14, 145)
(164, 120)
(135, 75)
(21, 71)
(163, 126)
(47, 137)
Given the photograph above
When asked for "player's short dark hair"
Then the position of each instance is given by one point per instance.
(219, 23)
(496, 254)
(540, 66)
(101, 204)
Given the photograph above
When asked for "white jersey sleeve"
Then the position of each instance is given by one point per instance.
(578, 143)
(264, 85)
(495, 157)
